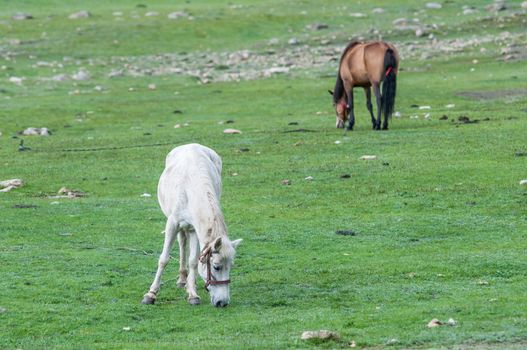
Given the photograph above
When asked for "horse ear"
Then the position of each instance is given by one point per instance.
(236, 243)
(216, 245)
(330, 92)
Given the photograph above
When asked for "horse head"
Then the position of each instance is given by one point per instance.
(341, 109)
(215, 265)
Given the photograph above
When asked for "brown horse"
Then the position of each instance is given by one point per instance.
(366, 64)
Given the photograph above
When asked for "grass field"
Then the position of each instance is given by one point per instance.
(440, 218)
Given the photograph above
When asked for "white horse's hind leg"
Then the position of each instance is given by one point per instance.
(183, 258)
(164, 258)
(193, 297)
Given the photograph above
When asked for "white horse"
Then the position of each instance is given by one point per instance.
(188, 192)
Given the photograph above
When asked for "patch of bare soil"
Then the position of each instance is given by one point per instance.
(490, 95)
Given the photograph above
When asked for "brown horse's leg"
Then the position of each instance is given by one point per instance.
(369, 105)
(351, 115)
(377, 92)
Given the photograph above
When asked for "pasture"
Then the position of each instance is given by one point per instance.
(439, 218)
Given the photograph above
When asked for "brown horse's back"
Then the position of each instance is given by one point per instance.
(363, 64)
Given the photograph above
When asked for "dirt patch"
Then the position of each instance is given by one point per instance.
(346, 232)
(490, 95)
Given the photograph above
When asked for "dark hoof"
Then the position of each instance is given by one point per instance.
(181, 284)
(147, 300)
(194, 301)
(385, 127)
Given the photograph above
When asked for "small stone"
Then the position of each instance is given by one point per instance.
(397, 114)
(358, 15)
(368, 157)
(146, 195)
(36, 131)
(322, 335)
(177, 15)
(434, 323)
(293, 41)
(60, 77)
(338, 142)
(451, 105)
(127, 329)
(469, 11)
(151, 14)
(433, 5)
(451, 322)
(496, 7)
(21, 16)
(80, 14)
(152, 86)
(317, 26)
(523, 182)
(377, 10)
(419, 32)
(425, 107)
(231, 131)
(81, 75)
(64, 191)
(309, 178)
(286, 182)
(2, 310)
(16, 80)
(8, 185)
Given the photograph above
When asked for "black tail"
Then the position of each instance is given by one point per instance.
(389, 85)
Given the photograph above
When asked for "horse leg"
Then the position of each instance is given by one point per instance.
(183, 258)
(164, 258)
(369, 105)
(350, 109)
(193, 297)
(377, 92)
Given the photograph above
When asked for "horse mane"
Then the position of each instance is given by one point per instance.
(338, 91)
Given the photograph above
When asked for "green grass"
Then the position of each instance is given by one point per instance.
(440, 215)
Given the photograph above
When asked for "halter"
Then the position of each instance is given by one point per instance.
(205, 256)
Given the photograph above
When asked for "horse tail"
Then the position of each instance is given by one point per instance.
(389, 85)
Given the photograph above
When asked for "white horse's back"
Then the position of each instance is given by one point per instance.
(188, 168)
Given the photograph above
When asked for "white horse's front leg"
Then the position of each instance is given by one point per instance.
(164, 258)
(183, 258)
(193, 297)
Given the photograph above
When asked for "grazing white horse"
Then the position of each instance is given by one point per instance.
(188, 192)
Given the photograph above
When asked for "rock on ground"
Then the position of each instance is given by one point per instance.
(322, 335)
(36, 131)
(20, 16)
(80, 14)
(8, 185)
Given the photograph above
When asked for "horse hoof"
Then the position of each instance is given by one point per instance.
(148, 300)
(194, 301)
(181, 284)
